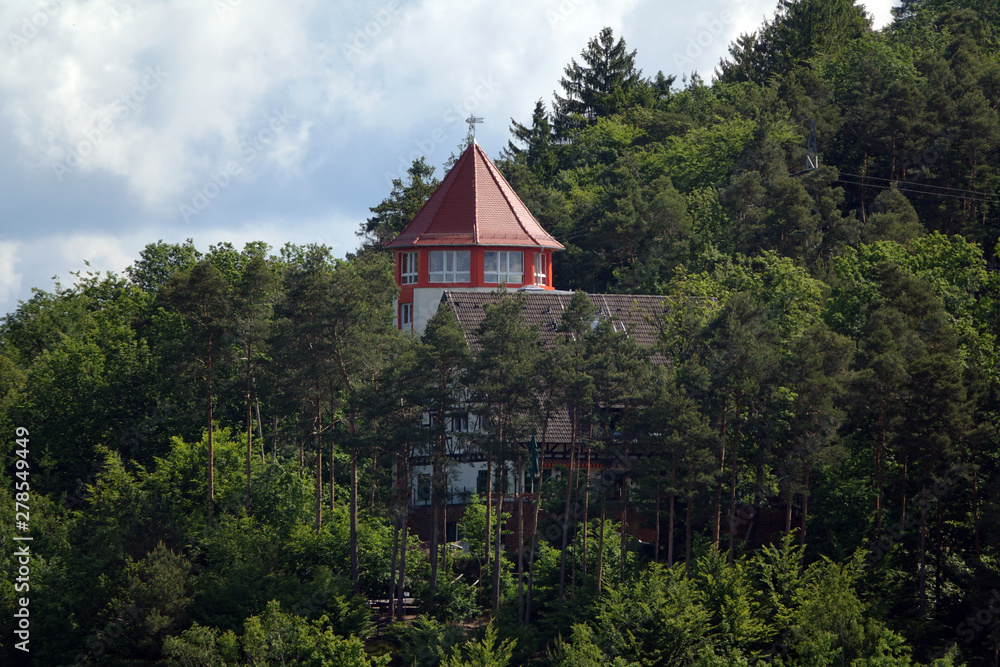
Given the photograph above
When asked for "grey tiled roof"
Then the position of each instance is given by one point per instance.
(638, 315)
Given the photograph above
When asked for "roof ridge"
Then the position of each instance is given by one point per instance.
(494, 173)
(497, 215)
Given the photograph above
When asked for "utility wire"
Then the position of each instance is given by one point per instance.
(988, 199)
(925, 185)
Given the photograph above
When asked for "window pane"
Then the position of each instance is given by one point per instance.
(490, 261)
(437, 261)
(463, 259)
(516, 262)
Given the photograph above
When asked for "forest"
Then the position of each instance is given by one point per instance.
(216, 445)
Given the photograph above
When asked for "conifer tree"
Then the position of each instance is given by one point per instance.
(607, 83)
(201, 296)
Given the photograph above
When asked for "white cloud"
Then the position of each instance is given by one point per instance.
(10, 279)
(136, 104)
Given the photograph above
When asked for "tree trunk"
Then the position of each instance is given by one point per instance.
(260, 424)
(624, 527)
(249, 448)
(355, 573)
(975, 503)
(586, 513)
(687, 538)
(879, 457)
(318, 424)
(717, 509)
(392, 564)
(566, 511)
(371, 485)
(400, 610)
(534, 542)
(902, 511)
(600, 552)
(433, 546)
(805, 505)
(520, 543)
(733, 470)
(656, 545)
(789, 499)
(670, 519)
(211, 441)
(444, 523)
(922, 575)
(501, 478)
(938, 549)
(489, 507)
(319, 490)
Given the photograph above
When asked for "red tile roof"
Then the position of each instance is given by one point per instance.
(474, 205)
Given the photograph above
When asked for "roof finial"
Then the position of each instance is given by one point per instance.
(472, 120)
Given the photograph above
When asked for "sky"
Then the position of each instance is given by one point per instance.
(125, 122)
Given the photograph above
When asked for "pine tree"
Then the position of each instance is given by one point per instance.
(399, 208)
(605, 84)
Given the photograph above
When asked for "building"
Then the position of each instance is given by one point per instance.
(472, 237)
(474, 234)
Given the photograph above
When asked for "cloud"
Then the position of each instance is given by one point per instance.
(10, 279)
(116, 113)
(154, 93)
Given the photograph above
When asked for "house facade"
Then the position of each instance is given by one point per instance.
(473, 234)
(473, 239)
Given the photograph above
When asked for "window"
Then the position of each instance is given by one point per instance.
(541, 264)
(449, 266)
(405, 315)
(530, 485)
(482, 477)
(460, 423)
(423, 487)
(503, 267)
(408, 268)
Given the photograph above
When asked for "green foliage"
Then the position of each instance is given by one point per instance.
(279, 637)
(396, 210)
(486, 652)
(827, 358)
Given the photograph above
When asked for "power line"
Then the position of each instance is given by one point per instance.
(993, 200)
(926, 185)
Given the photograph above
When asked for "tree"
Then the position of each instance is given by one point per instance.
(605, 84)
(201, 296)
(503, 370)
(540, 149)
(400, 207)
(305, 346)
(442, 359)
(800, 30)
(361, 327)
(159, 261)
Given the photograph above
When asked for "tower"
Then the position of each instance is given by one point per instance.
(473, 234)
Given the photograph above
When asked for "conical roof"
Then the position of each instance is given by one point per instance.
(474, 205)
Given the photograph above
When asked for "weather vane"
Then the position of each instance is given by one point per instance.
(472, 120)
